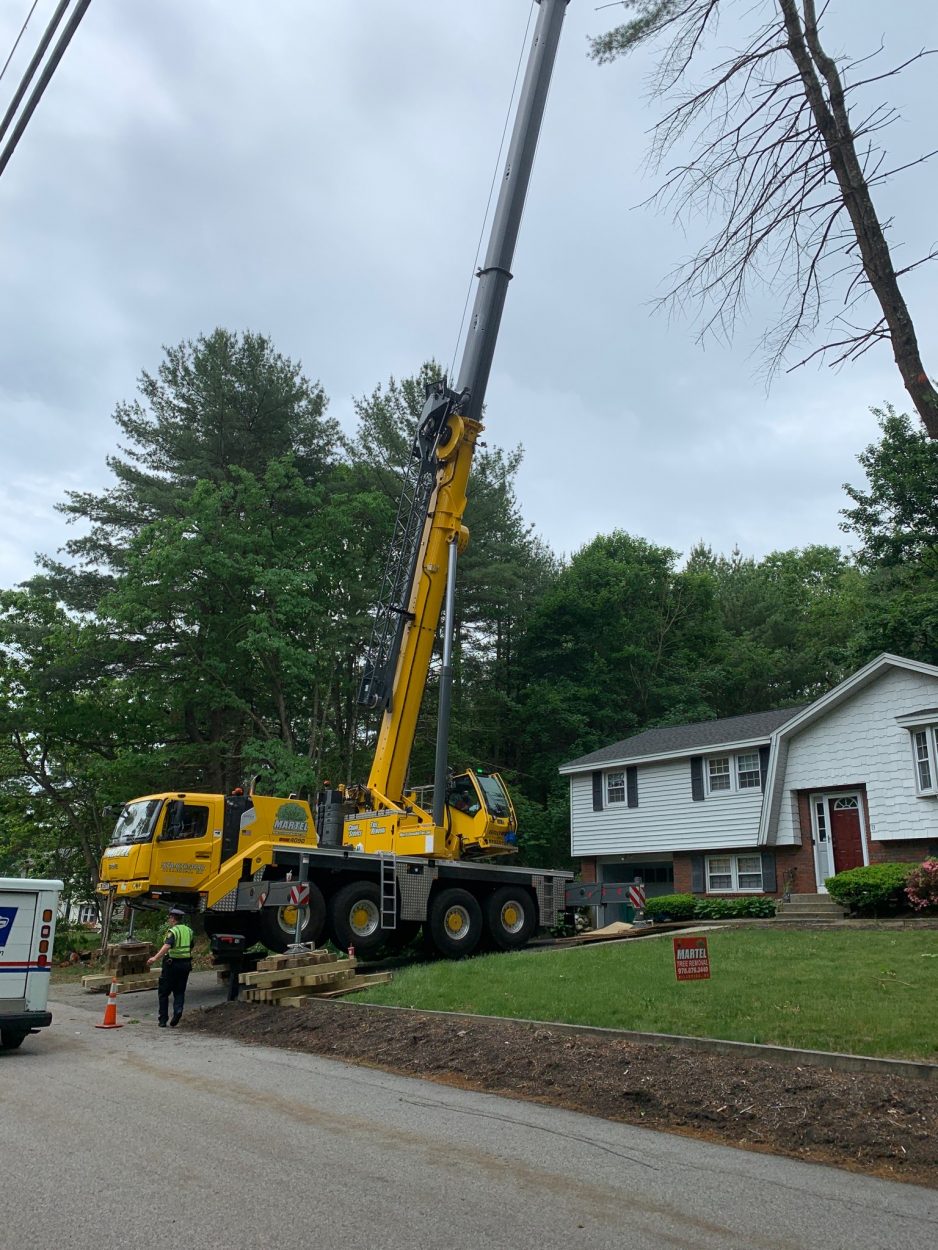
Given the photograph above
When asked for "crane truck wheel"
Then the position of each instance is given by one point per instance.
(10, 1040)
(277, 925)
(355, 918)
(510, 917)
(455, 923)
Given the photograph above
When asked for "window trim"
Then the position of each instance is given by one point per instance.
(708, 776)
(733, 758)
(757, 770)
(931, 758)
(735, 887)
(615, 772)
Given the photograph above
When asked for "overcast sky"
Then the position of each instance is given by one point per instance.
(318, 169)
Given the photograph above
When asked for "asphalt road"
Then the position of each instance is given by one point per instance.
(152, 1137)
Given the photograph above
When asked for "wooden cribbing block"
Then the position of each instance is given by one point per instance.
(295, 975)
(357, 983)
(274, 963)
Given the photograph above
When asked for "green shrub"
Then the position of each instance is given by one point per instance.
(758, 905)
(733, 908)
(677, 906)
(713, 908)
(872, 890)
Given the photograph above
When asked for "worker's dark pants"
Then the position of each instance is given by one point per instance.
(173, 977)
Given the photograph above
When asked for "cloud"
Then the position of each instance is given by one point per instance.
(318, 171)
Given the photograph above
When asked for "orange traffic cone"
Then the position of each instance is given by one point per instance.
(110, 1011)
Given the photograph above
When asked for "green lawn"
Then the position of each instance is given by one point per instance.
(866, 992)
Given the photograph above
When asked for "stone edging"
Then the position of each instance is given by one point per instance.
(786, 1055)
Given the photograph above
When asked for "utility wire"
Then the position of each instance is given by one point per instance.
(488, 204)
(16, 42)
(44, 78)
(32, 66)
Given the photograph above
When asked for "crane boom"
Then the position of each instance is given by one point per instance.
(429, 522)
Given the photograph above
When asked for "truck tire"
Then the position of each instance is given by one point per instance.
(455, 923)
(355, 918)
(11, 1039)
(276, 926)
(510, 917)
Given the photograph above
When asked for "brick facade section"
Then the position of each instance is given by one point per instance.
(798, 858)
(588, 871)
(902, 852)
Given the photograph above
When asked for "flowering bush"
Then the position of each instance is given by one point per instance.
(921, 886)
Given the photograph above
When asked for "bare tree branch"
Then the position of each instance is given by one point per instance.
(777, 158)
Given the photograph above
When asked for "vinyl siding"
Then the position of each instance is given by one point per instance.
(859, 743)
(666, 819)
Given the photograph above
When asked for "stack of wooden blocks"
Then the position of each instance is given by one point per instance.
(291, 980)
(127, 963)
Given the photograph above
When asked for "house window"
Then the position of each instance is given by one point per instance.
(615, 787)
(923, 751)
(748, 773)
(734, 874)
(730, 773)
(719, 773)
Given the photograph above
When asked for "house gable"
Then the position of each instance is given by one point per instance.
(853, 736)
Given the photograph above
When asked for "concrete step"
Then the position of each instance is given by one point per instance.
(808, 918)
(786, 911)
(822, 908)
(811, 898)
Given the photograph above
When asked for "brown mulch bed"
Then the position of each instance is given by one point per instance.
(884, 1125)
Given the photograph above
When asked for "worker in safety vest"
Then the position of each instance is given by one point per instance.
(176, 953)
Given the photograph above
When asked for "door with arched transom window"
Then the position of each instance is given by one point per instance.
(846, 831)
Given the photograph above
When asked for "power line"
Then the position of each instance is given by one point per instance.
(16, 42)
(32, 66)
(44, 78)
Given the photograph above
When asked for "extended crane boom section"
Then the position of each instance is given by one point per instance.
(408, 615)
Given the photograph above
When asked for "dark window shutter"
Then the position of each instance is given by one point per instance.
(597, 792)
(763, 765)
(631, 785)
(696, 777)
(768, 872)
(697, 874)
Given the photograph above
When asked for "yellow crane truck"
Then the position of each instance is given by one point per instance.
(377, 861)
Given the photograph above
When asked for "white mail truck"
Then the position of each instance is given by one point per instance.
(27, 931)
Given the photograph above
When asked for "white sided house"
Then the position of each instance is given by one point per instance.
(769, 802)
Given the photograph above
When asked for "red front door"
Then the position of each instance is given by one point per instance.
(846, 837)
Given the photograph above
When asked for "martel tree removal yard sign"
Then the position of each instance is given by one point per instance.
(691, 959)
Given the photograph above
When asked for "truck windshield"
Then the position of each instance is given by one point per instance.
(496, 800)
(135, 823)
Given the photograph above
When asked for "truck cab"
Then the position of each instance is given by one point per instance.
(177, 846)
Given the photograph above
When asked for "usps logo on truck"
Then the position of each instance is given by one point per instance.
(7, 916)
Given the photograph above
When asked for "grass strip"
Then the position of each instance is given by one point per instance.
(862, 992)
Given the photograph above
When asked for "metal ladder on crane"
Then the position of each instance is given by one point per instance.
(388, 867)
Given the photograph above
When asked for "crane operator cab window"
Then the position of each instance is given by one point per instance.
(463, 796)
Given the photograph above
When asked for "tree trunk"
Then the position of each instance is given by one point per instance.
(834, 125)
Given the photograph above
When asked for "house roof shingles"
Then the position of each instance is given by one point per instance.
(670, 738)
